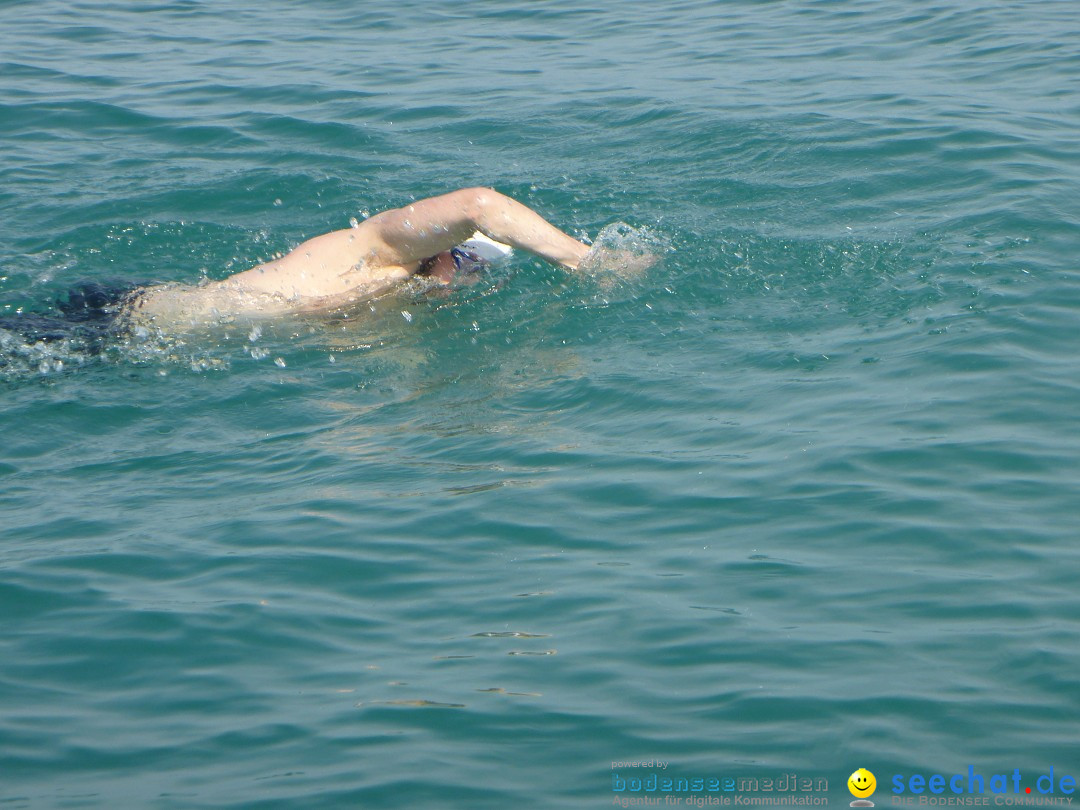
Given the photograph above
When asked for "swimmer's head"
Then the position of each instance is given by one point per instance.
(458, 262)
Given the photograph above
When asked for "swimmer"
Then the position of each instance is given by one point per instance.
(350, 265)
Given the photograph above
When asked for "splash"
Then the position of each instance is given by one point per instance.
(21, 357)
(622, 253)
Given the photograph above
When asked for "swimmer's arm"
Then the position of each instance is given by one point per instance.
(428, 227)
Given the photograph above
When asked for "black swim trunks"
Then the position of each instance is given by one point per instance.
(90, 313)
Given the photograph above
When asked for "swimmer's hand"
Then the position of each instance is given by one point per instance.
(623, 251)
(621, 261)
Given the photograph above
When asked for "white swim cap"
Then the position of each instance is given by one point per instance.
(487, 249)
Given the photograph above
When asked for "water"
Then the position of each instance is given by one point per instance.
(800, 498)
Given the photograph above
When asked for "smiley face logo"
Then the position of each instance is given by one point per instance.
(862, 783)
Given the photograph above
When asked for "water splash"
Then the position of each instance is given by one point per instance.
(622, 253)
(21, 357)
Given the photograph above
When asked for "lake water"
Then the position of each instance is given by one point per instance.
(800, 499)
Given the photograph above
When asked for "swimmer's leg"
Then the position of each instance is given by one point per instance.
(34, 328)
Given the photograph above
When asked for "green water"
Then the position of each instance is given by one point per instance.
(800, 499)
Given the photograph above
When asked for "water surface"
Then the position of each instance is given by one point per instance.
(800, 499)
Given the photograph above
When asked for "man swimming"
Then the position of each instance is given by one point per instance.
(354, 264)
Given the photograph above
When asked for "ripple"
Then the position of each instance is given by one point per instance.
(825, 443)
